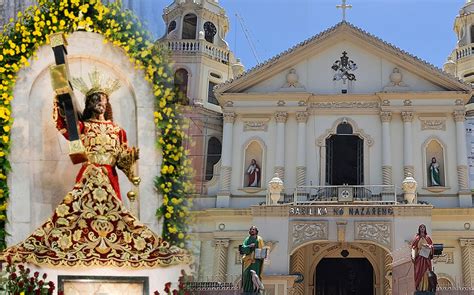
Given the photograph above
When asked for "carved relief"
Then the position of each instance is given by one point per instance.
(407, 116)
(459, 115)
(257, 125)
(229, 117)
(345, 105)
(386, 116)
(302, 116)
(292, 81)
(321, 141)
(396, 82)
(302, 232)
(281, 117)
(432, 123)
(447, 257)
(379, 232)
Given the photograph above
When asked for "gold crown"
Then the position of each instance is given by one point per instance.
(98, 84)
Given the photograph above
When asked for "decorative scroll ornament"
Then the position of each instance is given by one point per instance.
(309, 231)
(379, 232)
(255, 125)
(433, 123)
(343, 67)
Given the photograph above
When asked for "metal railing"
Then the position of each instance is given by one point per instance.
(344, 194)
(225, 282)
(198, 46)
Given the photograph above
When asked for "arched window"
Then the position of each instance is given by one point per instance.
(472, 34)
(181, 85)
(189, 26)
(209, 32)
(214, 149)
(344, 128)
(171, 26)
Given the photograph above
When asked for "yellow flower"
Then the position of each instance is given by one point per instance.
(180, 236)
(167, 216)
(6, 128)
(2, 217)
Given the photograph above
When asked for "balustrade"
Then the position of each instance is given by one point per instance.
(198, 47)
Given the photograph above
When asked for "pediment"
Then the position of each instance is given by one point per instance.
(311, 67)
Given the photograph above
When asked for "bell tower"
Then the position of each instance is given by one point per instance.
(201, 59)
(195, 36)
(461, 61)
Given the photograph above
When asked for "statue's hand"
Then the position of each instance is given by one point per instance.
(136, 153)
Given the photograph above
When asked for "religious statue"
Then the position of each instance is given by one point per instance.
(253, 172)
(434, 173)
(91, 226)
(252, 262)
(422, 253)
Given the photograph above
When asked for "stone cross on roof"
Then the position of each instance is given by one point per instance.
(344, 6)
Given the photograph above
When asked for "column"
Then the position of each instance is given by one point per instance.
(297, 267)
(220, 259)
(408, 167)
(386, 117)
(387, 281)
(461, 152)
(223, 197)
(467, 262)
(301, 118)
(280, 118)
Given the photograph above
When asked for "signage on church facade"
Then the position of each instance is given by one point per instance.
(340, 211)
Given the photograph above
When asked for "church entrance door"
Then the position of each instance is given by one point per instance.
(344, 276)
(344, 160)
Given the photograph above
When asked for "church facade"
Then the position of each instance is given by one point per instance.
(346, 121)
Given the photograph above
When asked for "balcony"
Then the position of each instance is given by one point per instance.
(345, 194)
(195, 47)
(464, 51)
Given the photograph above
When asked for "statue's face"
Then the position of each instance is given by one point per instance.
(253, 161)
(433, 160)
(253, 231)
(422, 229)
(99, 104)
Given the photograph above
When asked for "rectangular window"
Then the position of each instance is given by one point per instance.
(211, 98)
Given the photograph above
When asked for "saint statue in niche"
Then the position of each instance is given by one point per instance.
(434, 173)
(253, 172)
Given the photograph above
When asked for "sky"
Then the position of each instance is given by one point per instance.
(423, 28)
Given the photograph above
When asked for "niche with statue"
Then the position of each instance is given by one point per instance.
(434, 166)
(253, 163)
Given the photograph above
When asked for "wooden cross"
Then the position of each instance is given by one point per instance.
(344, 6)
(64, 92)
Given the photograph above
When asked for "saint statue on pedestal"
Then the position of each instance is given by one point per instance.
(434, 173)
(422, 254)
(253, 172)
(254, 254)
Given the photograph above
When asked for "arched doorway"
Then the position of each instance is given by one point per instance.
(344, 276)
(345, 157)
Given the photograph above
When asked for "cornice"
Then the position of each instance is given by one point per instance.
(452, 214)
(221, 212)
(465, 95)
